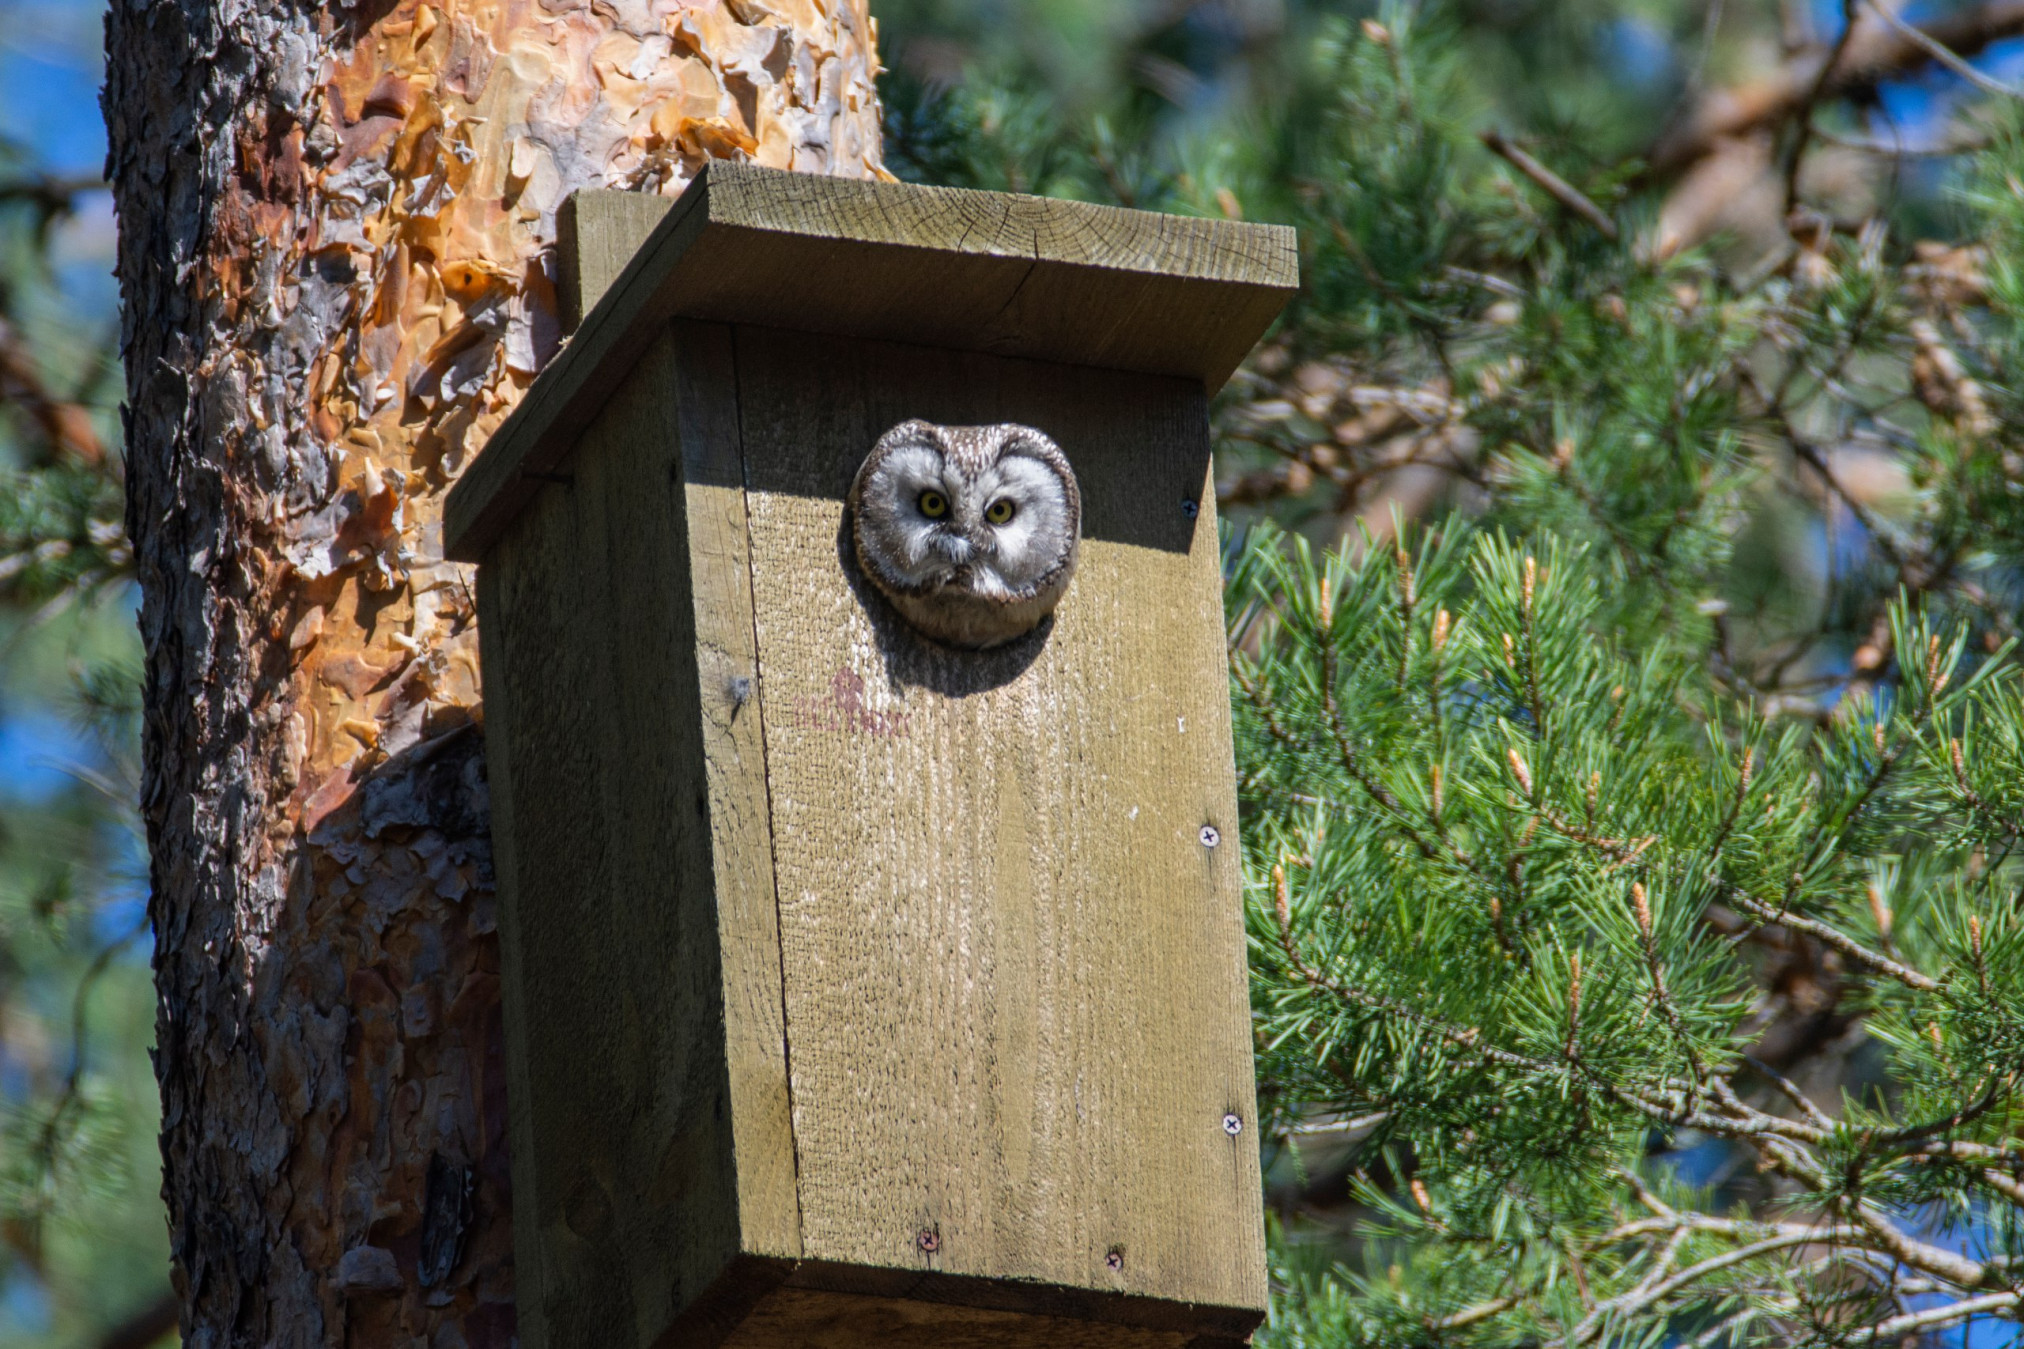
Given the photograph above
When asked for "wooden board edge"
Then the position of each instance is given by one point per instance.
(1029, 1298)
(598, 231)
(529, 1268)
(714, 1315)
(541, 432)
(1004, 224)
(734, 739)
(569, 305)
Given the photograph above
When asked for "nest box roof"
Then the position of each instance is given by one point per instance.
(979, 271)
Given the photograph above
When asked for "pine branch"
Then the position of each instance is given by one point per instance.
(1901, 1328)
(1796, 157)
(1790, 1091)
(1941, 53)
(1661, 995)
(64, 423)
(1638, 1299)
(1469, 1316)
(1552, 184)
(1728, 114)
(1659, 1285)
(2000, 1089)
(1768, 913)
(1480, 865)
(1828, 936)
(1920, 1255)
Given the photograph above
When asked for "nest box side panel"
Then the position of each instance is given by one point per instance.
(640, 1171)
(723, 646)
(1010, 903)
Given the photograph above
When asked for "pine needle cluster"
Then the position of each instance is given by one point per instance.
(1630, 731)
(1515, 871)
(1561, 812)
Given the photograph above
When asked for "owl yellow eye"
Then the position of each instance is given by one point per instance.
(1001, 511)
(934, 505)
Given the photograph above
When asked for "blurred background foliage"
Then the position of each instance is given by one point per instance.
(83, 1247)
(1632, 272)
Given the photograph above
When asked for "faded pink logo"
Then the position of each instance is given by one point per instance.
(844, 709)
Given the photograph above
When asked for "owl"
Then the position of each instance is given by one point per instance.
(970, 531)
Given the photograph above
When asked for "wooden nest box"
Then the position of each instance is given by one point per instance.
(859, 990)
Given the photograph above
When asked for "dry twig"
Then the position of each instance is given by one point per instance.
(64, 423)
(1552, 184)
(1728, 114)
(1940, 52)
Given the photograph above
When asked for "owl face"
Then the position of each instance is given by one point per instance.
(971, 531)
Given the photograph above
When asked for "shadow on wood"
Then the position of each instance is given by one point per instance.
(855, 988)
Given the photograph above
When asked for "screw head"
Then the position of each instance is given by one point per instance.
(1114, 1258)
(929, 1240)
(1233, 1124)
(1191, 508)
(1211, 836)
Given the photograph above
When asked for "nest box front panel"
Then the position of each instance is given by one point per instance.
(1010, 914)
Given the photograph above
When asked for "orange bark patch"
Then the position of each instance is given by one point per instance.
(396, 222)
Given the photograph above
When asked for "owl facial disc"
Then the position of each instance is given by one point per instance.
(970, 531)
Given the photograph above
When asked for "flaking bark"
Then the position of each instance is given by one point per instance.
(335, 253)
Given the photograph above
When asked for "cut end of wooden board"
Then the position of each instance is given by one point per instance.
(771, 1304)
(1028, 277)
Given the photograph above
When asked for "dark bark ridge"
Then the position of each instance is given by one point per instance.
(333, 1132)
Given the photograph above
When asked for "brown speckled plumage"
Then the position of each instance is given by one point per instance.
(959, 576)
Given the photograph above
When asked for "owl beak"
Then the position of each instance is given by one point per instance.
(954, 547)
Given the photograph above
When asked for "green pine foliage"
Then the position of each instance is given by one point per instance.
(82, 1243)
(1510, 863)
(62, 536)
(1650, 791)
(1532, 797)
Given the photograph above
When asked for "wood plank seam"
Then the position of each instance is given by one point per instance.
(766, 772)
(934, 1038)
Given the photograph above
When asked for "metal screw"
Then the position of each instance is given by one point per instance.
(1233, 1125)
(1115, 1258)
(1191, 508)
(929, 1240)
(1211, 836)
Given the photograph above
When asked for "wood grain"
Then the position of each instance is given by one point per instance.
(860, 991)
(797, 1318)
(1016, 1006)
(1020, 276)
(597, 233)
(727, 664)
(651, 1140)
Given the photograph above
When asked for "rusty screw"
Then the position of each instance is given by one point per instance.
(1233, 1125)
(1114, 1258)
(929, 1240)
(1211, 836)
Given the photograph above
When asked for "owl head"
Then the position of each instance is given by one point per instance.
(970, 531)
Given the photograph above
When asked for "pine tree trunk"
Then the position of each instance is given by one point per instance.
(335, 230)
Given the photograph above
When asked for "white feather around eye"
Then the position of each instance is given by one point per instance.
(1030, 543)
(906, 473)
(893, 497)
